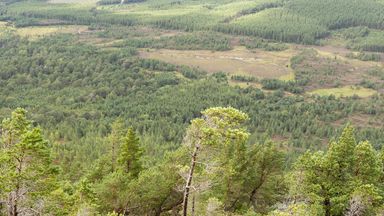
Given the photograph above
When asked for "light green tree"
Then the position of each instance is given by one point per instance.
(367, 167)
(27, 174)
(216, 129)
(265, 184)
(130, 154)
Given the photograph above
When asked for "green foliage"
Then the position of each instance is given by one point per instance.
(243, 78)
(354, 32)
(297, 21)
(28, 175)
(75, 91)
(155, 191)
(193, 41)
(241, 176)
(130, 154)
(290, 86)
(68, 13)
(372, 42)
(333, 179)
(109, 2)
(262, 44)
(277, 24)
(365, 56)
(88, 88)
(337, 14)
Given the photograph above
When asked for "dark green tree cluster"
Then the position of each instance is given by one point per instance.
(193, 41)
(290, 86)
(277, 24)
(65, 13)
(256, 43)
(110, 2)
(29, 182)
(343, 181)
(338, 14)
(244, 78)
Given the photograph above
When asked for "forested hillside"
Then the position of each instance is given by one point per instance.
(192, 107)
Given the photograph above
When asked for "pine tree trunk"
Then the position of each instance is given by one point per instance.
(15, 201)
(113, 157)
(189, 181)
(14, 211)
(193, 206)
(327, 206)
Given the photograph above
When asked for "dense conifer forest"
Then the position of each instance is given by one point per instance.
(192, 107)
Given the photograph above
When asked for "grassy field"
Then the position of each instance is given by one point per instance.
(288, 77)
(346, 91)
(39, 31)
(261, 64)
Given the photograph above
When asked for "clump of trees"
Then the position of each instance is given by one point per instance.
(338, 14)
(192, 41)
(254, 43)
(277, 24)
(345, 180)
(111, 2)
(29, 183)
(216, 171)
(365, 56)
(295, 87)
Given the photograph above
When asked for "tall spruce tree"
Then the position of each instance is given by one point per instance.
(130, 154)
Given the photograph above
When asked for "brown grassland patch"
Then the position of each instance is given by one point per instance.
(361, 120)
(262, 64)
(329, 68)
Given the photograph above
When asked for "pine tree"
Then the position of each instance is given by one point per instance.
(367, 167)
(26, 169)
(338, 165)
(130, 154)
(218, 129)
(342, 181)
(264, 183)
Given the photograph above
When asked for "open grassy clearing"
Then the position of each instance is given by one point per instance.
(38, 31)
(327, 67)
(3, 27)
(260, 63)
(346, 91)
(340, 53)
(288, 77)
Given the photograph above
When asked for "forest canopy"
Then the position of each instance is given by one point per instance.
(191, 107)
